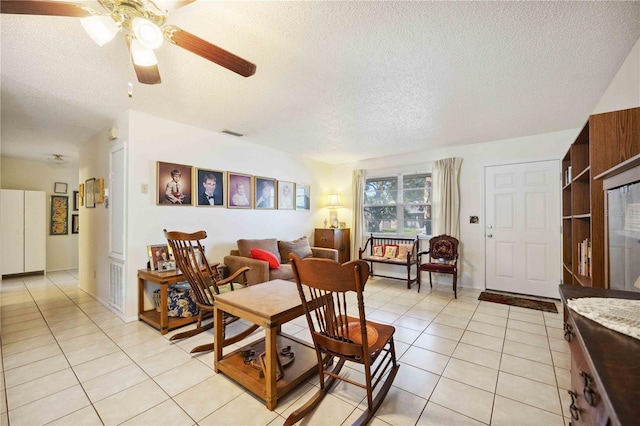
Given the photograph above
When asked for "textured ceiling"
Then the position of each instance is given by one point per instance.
(335, 81)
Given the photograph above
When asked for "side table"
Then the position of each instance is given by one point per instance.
(160, 320)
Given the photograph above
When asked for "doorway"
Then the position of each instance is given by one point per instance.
(522, 228)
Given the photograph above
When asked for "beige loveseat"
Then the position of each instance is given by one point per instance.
(259, 269)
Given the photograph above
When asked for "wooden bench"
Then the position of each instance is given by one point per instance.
(374, 252)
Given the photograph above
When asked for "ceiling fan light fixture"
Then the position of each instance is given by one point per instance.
(148, 33)
(141, 55)
(100, 28)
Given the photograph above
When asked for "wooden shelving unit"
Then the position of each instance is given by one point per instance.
(605, 141)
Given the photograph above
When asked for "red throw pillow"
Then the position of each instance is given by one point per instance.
(265, 255)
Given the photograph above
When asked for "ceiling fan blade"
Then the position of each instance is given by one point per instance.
(147, 74)
(51, 8)
(209, 51)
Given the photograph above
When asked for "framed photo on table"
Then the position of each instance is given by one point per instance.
(265, 197)
(161, 257)
(240, 192)
(211, 188)
(286, 195)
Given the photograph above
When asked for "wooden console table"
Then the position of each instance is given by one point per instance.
(268, 305)
(605, 377)
(160, 320)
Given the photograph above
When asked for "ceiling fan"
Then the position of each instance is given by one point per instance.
(143, 25)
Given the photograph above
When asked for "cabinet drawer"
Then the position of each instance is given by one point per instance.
(587, 404)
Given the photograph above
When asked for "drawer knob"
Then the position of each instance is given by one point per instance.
(573, 409)
(568, 332)
(589, 394)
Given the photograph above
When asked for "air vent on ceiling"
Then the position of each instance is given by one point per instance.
(229, 132)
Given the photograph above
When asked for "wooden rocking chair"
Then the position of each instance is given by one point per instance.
(327, 291)
(205, 282)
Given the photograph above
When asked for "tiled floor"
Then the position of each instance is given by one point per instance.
(68, 360)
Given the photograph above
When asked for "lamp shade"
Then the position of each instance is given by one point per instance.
(147, 32)
(141, 55)
(334, 201)
(101, 29)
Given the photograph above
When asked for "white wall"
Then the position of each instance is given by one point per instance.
(62, 250)
(624, 90)
(475, 158)
(149, 139)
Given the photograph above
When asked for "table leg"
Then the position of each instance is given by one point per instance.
(164, 309)
(140, 296)
(218, 340)
(270, 347)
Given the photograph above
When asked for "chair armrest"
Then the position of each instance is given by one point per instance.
(325, 253)
(258, 269)
(233, 278)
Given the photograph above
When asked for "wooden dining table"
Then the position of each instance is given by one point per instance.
(269, 305)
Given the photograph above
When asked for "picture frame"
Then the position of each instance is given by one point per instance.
(59, 215)
(98, 191)
(60, 188)
(265, 193)
(89, 199)
(81, 194)
(75, 223)
(76, 200)
(161, 257)
(210, 183)
(303, 197)
(240, 191)
(174, 183)
(286, 195)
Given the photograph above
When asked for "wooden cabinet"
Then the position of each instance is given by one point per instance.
(605, 141)
(605, 379)
(23, 231)
(335, 238)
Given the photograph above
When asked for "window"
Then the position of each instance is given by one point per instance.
(398, 204)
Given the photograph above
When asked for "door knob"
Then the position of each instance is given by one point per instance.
(489, 235)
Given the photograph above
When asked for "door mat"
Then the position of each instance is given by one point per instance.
(521, 302)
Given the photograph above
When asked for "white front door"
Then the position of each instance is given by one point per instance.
(522, 228)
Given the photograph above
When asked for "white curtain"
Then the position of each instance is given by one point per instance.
(358, 228)
(446, 197)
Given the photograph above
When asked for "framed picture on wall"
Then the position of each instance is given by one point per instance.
(81, 194)
(211, 188)
(174, 184)
(265, 196)
(75, 223)
(89, 201)
(303, 197)
(240, 193)
(60, 188)
(59, 215)
(286, 195)
(76, 200)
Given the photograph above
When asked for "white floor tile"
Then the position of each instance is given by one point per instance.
(453, 354)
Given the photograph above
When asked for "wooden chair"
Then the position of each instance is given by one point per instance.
(443, 258)
(330, 292)
(205, 282)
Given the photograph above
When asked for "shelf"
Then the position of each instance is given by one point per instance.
(583, 280)
(583, 175)
(582, 216)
